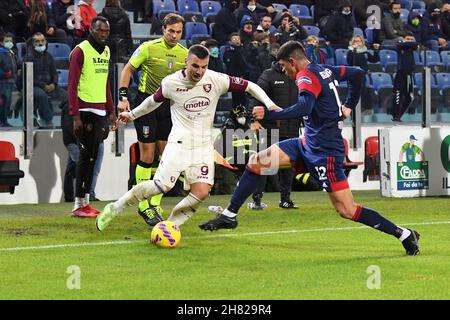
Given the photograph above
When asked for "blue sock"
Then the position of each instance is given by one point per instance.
(373, 219)
(246, 186)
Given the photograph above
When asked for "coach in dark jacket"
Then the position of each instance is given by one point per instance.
(226, 22)
(284, 93)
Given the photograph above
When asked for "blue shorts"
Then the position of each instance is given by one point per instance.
(329, 171)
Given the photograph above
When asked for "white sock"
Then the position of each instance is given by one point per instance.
(184, 209)
(228, 213)
(406, 233)
(138, 193)
(78, 203)
(86, 199)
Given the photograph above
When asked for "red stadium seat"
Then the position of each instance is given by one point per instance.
(348, 164)
(371, 159)
(9, 168)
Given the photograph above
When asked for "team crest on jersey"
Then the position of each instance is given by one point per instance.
(305, 79)
(207, 87)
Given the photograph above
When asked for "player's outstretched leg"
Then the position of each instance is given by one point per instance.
(185, 209)
(343, 202)
(138, 193)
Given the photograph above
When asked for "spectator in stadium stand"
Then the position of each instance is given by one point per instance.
(120, 40)
(215, 63)
(361, 13)
(13, 18)
(45, 78)
(323, 9)
(61, 14)
(41, 20)
(8, 74)
(226, 22)
(265, 23)
(339, 27)
(358, 55)
(236, 65)
(267, 52)
(433, 25)
(418, 27)
(289, 29)
(252, 9)
(445, 20)
(393, 29)
(87, 12)
(316, 51)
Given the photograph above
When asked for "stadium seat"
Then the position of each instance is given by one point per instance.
(193, 17)
(63, 77)
(195, 31)
(348, 164)
(187, 6)
(210, 7)
(369, 35)
(443, 83)
(382, 90)
(418, 4)
(312, 30)
(433, 60)
(406, 4)
(279, 6)
(381, 80)
(300, 10)
(163, 6)
(404, 15)
(371, 159)
(388, 59)
(341, 57)
(59, 51)
(9, 168)
(445, 58)
(21, 51)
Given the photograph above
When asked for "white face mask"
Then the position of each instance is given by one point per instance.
(251, 7)
(241, 121)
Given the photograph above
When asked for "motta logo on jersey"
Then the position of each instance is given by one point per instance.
(197, 104)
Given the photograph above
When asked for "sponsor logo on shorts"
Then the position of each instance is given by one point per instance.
(146, 131)
(197, 104)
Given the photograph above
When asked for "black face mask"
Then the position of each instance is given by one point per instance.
(396, 15)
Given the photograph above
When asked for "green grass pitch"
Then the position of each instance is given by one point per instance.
(308, 253)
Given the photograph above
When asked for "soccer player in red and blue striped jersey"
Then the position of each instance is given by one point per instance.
(321, 151)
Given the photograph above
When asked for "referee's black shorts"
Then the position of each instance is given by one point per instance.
(154, 126)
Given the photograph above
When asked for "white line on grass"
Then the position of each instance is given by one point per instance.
(227, 235)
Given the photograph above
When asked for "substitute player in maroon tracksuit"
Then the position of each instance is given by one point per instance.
(323, 149)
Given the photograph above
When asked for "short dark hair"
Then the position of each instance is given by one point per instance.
(98, 18)
(172, 18)
(292, 49)
(209, 43)
(391, 5)
(199, 50)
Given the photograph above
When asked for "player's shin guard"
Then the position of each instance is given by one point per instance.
(140, 192)
(156, 200)
(246, 186)
(373, 219)
(143, 173)
(185, 209)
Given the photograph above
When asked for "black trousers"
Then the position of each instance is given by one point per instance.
(403, 93)
(95, 130)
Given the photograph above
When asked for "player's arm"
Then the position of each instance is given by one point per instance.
(354, 77)
(305, 103)
(150, 104)
(240, 85)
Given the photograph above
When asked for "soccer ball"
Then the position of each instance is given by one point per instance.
(166, 234)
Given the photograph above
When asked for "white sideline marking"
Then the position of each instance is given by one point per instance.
(119, 242)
